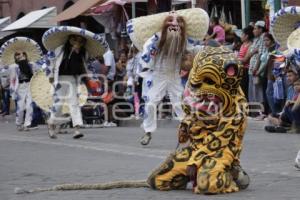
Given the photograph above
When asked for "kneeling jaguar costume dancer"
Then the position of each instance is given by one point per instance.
(214, 126)
(212, 132)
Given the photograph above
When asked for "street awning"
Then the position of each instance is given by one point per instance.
(35, 19)
(3, 23)
(77, 9)
(174, 2)
(107, 6)
(90, 7)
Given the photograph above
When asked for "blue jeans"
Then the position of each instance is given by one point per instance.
(270, 96)
(6, 101)
(296, 116)
(290, 116)
(275, 105)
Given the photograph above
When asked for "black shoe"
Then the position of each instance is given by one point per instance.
(4, 114)
(77, 134)
(275, 129)
(29, 128)
(146, 139)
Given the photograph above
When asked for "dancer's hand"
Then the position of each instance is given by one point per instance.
(51, 80)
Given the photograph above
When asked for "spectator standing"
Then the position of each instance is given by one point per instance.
(244, 56)
(110, 64)
(134, 81)
(4, 81)
(255, 89)
(265, 72)
(121, 73)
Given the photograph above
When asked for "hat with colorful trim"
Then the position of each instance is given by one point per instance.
(96, 44)
(142, 28)
(284, 22)
(20, 44)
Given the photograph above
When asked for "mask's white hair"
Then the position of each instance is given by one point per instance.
(172, 51)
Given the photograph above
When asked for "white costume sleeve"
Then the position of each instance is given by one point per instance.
(53, 61)
(150, 49)
(50, 63)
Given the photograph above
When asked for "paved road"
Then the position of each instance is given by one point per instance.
(31, 159)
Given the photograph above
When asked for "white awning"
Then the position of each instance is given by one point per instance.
(35, 19)
(175, 2)
(3, 23)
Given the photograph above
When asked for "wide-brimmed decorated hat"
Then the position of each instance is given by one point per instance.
(96, 44)
(20, 44)
(42, 92)
(293, 41)
(142, 28)
(284, 22)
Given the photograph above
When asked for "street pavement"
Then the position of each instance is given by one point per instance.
(30, 159)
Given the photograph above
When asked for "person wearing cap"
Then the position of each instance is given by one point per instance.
(69, 49)
(255, 88)
(22, 55)
(163, 39)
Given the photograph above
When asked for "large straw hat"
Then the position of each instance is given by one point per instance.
(284, 23)
(22, 44)
(293, 41)
(42, 92)
(142, 28)
(96, 44)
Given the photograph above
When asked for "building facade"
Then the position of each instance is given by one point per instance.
(294, 2)
(18, 8)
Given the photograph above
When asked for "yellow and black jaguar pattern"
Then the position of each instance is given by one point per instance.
(214, 127)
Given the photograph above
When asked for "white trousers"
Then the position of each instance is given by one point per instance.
(160, 86)
(66, 93)
(297, 160)
(24, 103)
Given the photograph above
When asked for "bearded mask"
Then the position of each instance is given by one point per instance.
(173, 26)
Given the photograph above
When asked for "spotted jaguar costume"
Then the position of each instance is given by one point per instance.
(214, 126)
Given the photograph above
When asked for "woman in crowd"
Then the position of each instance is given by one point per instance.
(243, 55)
(265, 72)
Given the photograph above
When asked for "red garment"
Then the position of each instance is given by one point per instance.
(242, 53)
(296, 96)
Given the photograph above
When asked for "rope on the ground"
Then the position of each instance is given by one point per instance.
(80, 186)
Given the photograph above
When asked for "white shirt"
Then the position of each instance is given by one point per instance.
(4, 77)
(109, 60)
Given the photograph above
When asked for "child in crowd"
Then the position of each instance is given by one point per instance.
(186, 66)
(218, 31)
